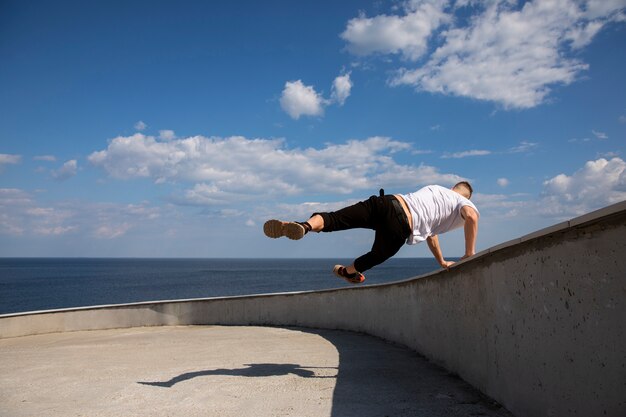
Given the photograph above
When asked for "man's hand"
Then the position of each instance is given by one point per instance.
(446, 264)
(433, 245)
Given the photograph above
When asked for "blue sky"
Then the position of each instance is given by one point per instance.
(176, 129)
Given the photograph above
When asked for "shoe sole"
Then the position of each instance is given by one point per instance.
(275, 229)
(357, 280)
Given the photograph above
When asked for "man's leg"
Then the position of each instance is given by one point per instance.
(350, 269)
(391, 234)
(361, 215)
(316, 222)
(374, 213)
(356, 216)
(386, 244)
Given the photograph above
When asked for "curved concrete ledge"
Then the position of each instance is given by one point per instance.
(536, 323)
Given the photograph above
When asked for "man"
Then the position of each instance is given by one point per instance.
(397, 219)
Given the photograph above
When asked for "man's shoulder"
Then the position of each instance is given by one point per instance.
(464, 202)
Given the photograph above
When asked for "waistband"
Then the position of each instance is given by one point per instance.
(400, 213)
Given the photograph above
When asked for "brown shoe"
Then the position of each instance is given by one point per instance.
(355, 278)
(277, 228)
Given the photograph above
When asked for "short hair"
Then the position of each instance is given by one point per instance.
(466, 185)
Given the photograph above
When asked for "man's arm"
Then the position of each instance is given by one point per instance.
(471, 230)
(433, 245)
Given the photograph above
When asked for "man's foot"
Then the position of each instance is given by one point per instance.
(355, 278)
(277, 228)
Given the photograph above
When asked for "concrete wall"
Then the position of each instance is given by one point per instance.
(537, 323)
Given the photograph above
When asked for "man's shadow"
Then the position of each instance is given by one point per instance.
(252, 370)
(375, 378)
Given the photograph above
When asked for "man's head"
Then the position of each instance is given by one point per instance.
(464, 188)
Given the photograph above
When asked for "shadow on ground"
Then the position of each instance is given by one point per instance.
(375, 378)
(251, 370)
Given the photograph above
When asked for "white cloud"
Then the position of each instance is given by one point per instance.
(12, 200)
(298, 99)
(607, 9)
(341, 89)
(421, 152)
(143, 210)
(111, 221)
(13, 196)
(47, 158)
(506, 55)
(503, 182)
(600, 135)
(301, 100)
(140, 126)
(49, 220)
(6, 159)
(68, 170)
(465, 154)
(111, 231)
(22, 215)
(167, 134)
(509, 52)
(523, 147)
(235, 169)
(411, 177)
(55, 230)
(577, 140)
(502, 205)
(608, 155)
(407, 35)
(582, 34)
(597, 184)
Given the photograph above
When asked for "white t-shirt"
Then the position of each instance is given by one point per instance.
(435, 210)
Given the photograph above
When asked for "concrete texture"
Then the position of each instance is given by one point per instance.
(538, 325)
(226, 371)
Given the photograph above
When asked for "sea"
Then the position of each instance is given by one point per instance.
(32, 284)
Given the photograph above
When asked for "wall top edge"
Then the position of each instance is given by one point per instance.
(156, 302)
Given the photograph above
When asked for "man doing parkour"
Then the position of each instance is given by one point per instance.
(397, 219)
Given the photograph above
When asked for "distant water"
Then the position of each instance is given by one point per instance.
(29, 284)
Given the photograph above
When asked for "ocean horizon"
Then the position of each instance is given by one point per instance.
(33, 284)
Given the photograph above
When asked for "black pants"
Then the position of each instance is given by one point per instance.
(385, 215)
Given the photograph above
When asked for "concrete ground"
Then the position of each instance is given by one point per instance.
(226, 371)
